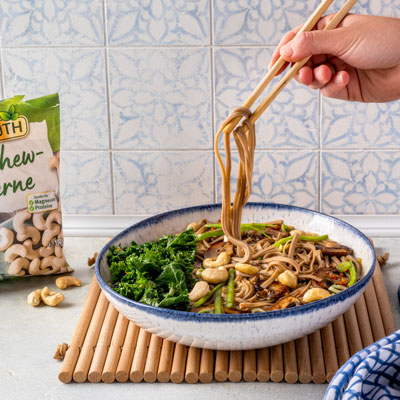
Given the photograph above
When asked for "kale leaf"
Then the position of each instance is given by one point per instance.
(158, 273)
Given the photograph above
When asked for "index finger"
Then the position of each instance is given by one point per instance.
(285, 39)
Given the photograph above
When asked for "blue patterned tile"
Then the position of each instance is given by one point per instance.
(291, 121)
(160, 98)
(44, 22)
(86, 182)
(258, 21)
(280, 177)
(166, 22)
(361, 182)
(387, 8)
(153, 182)
(354, 125)
(78, 76)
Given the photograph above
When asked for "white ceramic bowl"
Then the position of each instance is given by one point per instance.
(246, 331)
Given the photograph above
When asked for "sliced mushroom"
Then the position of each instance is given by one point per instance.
(274, 291)
(286, 302)
(330, 248)
(219, 247)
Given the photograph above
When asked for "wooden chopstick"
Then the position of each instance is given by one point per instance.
(221, 365)
(192, 365)
(290, 362)
(303, 360)
(235, 365)
(179, 363)
(152, 359)
(263, 364)
(333, 23)
(250, 365)
(342, 348)
(206, 366)
(328, 344)
(352, 330)
(308, 26)
(276, 362)
(363, 322)
(317, 358)
(139, 359)
(164, 367)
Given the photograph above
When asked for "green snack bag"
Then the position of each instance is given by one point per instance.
(31, 236)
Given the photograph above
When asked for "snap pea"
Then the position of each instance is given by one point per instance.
(348, 266)
(301, 237)
(201, 301)
(230, 293)
(218, 301)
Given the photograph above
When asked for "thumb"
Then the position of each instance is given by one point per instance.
(306, 44)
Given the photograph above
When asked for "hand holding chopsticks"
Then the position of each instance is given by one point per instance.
(308, 26)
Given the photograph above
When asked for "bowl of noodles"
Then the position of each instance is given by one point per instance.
(179, 276)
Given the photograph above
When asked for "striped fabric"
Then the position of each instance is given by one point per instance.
(373, 373)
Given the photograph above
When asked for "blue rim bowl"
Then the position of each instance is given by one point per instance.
(243, 331)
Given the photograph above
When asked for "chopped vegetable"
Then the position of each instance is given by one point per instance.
(157, 273)
(336, 288)
(348, 266)
(230, 294)
(301, 237)
(218, 301)
(254, 226)
(207, 296)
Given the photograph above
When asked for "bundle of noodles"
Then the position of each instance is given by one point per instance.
(286, 268)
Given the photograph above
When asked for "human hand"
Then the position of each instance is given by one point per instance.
(357, 61)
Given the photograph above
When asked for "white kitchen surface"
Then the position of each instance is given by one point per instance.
(29, 337)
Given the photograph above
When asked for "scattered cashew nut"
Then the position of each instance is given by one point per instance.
(51, 299)
(50, 233)
(18, 266)
(61, 351)
(34, 298)
(66, 281)
(223, 259)
(38, 221)
(14, 251)
(200, 289)
(288, 278)
(315, 294)
(215, 275)
(92, 260)
(7, 238)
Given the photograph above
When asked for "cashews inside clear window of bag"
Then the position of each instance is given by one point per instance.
(31, 234)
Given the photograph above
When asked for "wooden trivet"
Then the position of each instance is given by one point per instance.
(107, 347)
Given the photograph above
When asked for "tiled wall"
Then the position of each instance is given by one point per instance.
(144, 86)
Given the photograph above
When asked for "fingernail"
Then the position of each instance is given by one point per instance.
(338, 80)
(287, 50)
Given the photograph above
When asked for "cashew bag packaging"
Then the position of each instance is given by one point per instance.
(31, 236)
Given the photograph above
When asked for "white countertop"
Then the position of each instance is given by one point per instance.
(29, 337)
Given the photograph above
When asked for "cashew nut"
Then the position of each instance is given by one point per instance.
(30, 253)
(246, 269)
(215, 275)
(51, 299)
(50, 233)
(34, 267)
(59, 252)
(19, 221)
(194, 225)
(14, 251)
(7, 238)
(17, 267)
(46, 251)
(38, 221)
(315, 294)
(200, 289)
(34, 298)
(54, 216)
(66, 281)
(51, 264)
(223, 259)
(288, 278)
(30, 232)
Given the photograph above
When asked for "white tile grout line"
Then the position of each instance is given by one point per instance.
(108, 99)
(212, 93)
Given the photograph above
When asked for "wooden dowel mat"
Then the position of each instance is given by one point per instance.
(106, 347)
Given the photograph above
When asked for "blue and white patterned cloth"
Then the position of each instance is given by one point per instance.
(373, 373)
